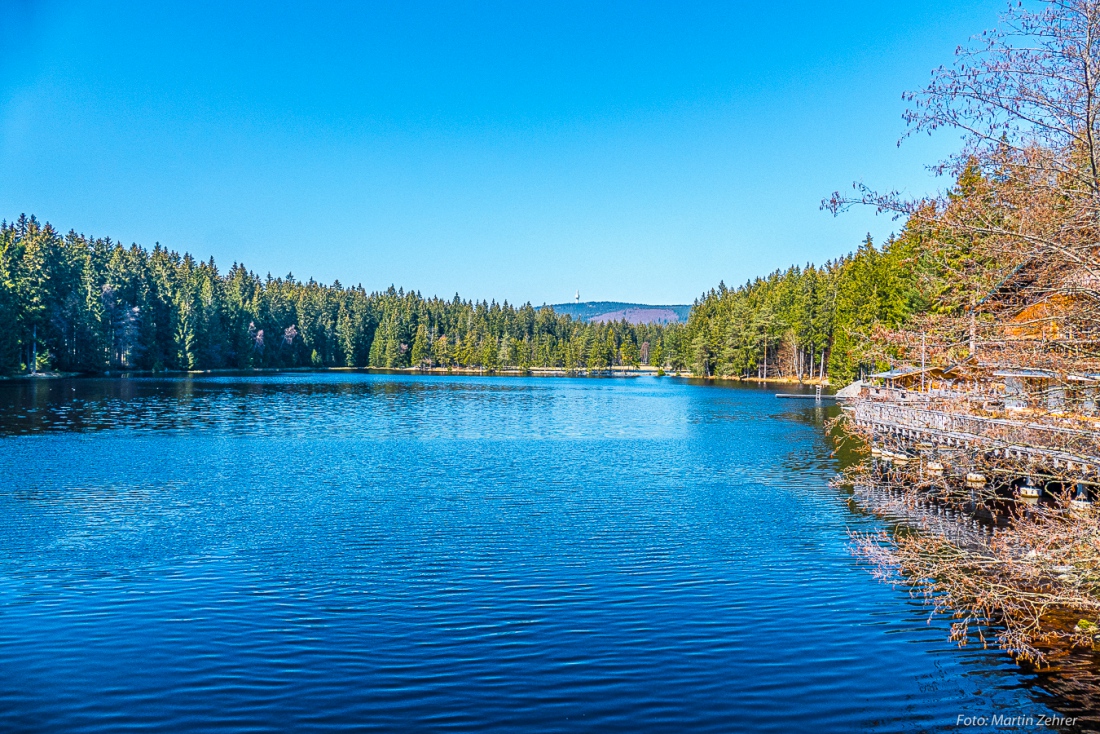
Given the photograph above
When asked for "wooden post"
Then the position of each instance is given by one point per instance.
(922, 361)
(973, 330)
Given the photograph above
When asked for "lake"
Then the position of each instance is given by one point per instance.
(340, 550)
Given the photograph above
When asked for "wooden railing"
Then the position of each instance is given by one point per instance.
(1014, 436)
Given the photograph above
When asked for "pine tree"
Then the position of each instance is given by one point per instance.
(420, 350)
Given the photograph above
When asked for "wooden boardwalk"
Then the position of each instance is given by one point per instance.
(1071, 449)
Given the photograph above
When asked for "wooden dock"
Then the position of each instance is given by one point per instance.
(1074, 450)
(817, 396)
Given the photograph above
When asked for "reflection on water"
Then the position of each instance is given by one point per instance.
(1070, 679)
(343, 550)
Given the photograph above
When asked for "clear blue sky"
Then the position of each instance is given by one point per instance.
(513, 150)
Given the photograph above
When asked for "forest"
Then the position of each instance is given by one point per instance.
(835, 320)
(78, 304)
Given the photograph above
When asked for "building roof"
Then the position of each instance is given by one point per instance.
(1025, 372)
(1035, 280)
(902, 372)
(1013, 281)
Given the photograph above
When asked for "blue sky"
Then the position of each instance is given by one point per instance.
(521, 151)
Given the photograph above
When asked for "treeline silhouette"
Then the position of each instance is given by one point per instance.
(79, 304)
(808, 322)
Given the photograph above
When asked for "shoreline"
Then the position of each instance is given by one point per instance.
(618, 371)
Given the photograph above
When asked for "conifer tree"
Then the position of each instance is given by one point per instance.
(420, 350)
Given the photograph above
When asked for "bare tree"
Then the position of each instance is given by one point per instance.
(1021, 228)
(1026, 99)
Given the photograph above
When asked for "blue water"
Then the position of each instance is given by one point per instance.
(349, 551)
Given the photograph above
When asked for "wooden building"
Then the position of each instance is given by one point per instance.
(1024, 403)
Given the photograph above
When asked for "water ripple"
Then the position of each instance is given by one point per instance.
(353, 551)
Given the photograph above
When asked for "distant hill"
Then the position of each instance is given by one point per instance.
(635, 313)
